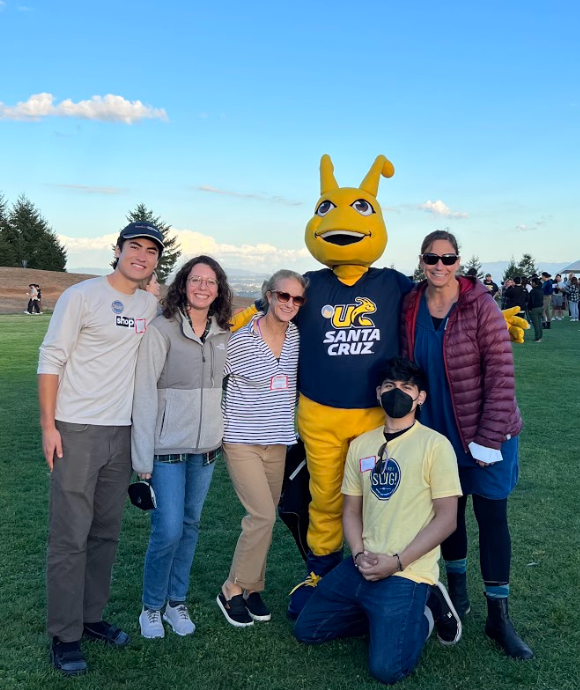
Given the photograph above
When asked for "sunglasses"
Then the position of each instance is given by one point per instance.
(285, 297)
(431, 259)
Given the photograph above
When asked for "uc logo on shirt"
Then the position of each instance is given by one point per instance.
(355, 332)
(385, 483)
(348, 315)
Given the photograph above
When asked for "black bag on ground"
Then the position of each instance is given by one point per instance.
(295, 498)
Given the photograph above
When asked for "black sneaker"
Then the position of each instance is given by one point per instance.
(67, 658)
(256, 608)
(235, 610)
(105, 632)
(445, 617)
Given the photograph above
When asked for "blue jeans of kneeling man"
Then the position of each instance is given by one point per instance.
(180, 490)
(390, 611)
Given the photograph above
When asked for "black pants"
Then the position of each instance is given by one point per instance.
(495, 545)
(33, 306)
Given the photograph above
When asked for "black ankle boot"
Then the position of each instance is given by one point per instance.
(457, 586)
(500, 629)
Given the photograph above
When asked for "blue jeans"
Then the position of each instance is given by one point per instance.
(180, 489)
(391, 611)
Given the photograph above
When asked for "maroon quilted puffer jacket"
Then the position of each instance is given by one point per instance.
(478, 361)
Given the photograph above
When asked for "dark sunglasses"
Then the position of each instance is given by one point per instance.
(432, 259)
(285, 297)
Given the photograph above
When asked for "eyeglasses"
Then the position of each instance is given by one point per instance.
(431, 259)
(198, 280)
(285, 297)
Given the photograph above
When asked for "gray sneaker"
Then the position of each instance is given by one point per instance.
(151, 624)
(178, 618)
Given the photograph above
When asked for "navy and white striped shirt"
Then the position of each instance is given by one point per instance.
(260, 396)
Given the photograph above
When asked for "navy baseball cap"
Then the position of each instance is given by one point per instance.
(141, 229)
(141, 494)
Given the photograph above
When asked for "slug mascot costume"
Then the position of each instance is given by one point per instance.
(348, 328)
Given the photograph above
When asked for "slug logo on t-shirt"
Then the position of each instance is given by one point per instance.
(355, 332)
(384, 483)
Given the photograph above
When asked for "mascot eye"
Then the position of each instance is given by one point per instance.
(324, 208)
(363, 207)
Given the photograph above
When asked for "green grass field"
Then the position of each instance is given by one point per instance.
(545, 523)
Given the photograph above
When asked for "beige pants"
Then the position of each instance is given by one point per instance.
(257, 473)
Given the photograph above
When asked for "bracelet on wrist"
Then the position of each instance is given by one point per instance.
(360, 553)
(399, 564)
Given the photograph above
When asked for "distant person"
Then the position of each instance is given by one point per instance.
(400, 491)
(32, 295)
(558, 304)
(177, 431)
(259, 424)
(38, 289)
(85, 386)
(506, 285)
(536, 308)
(151, 285)
(515, 296)
(490, 285)
(573, 294)
(547, 289)
(528, 288)
(472, 272)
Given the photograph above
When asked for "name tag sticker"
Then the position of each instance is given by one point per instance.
(279, 383)
(140, 325)
(367, 464)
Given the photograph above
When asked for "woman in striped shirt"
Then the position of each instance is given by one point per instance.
(258, 409)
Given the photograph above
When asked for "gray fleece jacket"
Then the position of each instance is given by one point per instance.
(178, 389)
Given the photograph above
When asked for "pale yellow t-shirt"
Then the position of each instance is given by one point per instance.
(398, 502)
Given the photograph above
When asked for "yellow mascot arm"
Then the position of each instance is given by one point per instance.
(515, 325)
(242, 317)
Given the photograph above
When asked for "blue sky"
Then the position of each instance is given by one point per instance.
(476, 104)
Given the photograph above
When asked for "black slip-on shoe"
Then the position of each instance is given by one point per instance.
(67, 658)
(235, 610)
(256, 608)
(105, 632)
(447, 621)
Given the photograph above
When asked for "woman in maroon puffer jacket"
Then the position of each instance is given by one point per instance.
(455, 332)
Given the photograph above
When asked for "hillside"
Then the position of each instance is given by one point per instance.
(14, 284)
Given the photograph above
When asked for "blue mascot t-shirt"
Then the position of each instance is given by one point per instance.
(352, 331)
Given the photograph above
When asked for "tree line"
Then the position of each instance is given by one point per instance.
(26, 238)
(28, 241)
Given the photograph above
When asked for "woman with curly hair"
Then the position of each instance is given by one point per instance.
(177, 431)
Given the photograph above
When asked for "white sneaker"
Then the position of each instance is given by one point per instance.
(151, 625)
(178, 618)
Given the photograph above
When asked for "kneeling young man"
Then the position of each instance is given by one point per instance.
(400, 490)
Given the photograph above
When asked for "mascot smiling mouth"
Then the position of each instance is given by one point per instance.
(342, 237)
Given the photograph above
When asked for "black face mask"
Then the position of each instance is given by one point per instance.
(396, 403)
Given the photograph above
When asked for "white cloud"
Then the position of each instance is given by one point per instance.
(23, 8)
(533, 225)
(438, 208)
(262, 258)
(90, 190)
(107, 108)
(249, 195)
